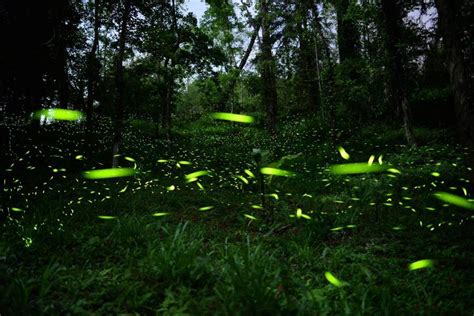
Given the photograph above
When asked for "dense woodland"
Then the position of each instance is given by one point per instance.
(268, 157)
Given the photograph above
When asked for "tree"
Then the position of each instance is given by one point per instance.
(348, 35)
(93, 65)
(308, 59)
(392, 12)
(267, 68)
(119, 82)
(35, 63)
(456, 26)
(349, 71)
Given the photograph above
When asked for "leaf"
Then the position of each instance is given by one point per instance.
(233, 117)
(454, 200)
(420, 264)
(276, 172)
(109, 173)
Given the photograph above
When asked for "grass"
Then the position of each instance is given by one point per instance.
(58, 257)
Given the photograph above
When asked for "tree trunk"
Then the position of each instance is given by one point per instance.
(170, 78)
(308, 63)
(329, 86)
(453, 26)
(395, 61)
(119, 84)
(231, 86)
(166, 116)
(348, 40)
(269, 93)
(92, 66)
(348, 37)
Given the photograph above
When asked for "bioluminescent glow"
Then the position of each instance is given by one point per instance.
(58, 115)
(276, 172)
(233, 117)
(109, 173)
(420, 264)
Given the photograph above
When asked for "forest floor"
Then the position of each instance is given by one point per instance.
(156, 243)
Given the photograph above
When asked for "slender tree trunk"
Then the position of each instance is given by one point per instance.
(119, 83)
(268, 69)
(92, 66)
(221, 106)
(166, 117)
(63, 78)
(328, 87)
(170, 78)
(395, 61)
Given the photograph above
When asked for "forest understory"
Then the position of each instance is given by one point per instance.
(155, 242)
